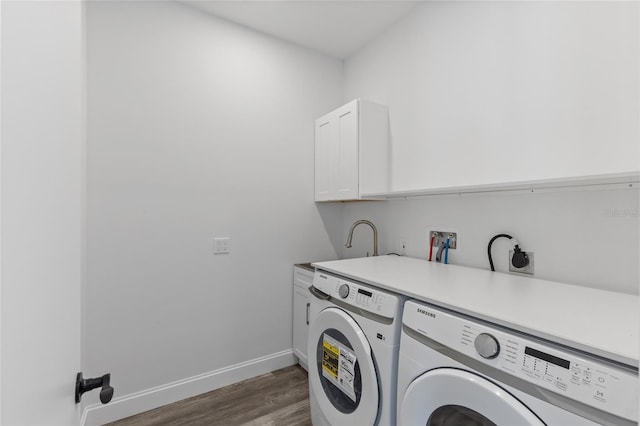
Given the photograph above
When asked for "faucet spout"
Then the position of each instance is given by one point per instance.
(375, 234)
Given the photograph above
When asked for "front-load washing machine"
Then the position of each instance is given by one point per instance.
(353, 352)
(458, 370)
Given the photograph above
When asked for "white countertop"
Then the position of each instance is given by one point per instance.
(601, 322)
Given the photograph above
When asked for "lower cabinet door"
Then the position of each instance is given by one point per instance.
(300, 323)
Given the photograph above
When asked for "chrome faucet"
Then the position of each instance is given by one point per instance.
(375, 235)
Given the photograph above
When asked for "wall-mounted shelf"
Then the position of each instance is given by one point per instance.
(608, 181)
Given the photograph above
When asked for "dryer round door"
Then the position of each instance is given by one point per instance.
(342, 374)
(448, 396)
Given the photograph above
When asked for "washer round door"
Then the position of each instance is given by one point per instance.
(342, 374)
(448, 396)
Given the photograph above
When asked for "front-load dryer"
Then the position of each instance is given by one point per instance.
(353, 347)
(458, 370)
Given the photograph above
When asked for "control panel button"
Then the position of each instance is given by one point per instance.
(561, 385)
(343, 291)
(487, 346)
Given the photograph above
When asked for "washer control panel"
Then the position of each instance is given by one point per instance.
(363, 296)
(602, 385)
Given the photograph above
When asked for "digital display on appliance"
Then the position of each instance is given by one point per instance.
(365, 292)
(546, 357)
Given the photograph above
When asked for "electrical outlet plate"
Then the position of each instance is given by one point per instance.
(403, 246)
(440, 237)
(529, 269)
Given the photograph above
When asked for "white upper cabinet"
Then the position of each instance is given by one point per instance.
(352, 152)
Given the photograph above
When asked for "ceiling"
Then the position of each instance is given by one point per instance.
(336, 28)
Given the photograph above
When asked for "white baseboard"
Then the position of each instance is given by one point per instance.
(128, 405)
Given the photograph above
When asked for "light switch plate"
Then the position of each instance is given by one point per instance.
(221, 245)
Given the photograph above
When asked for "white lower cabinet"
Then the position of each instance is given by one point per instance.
(302, 280)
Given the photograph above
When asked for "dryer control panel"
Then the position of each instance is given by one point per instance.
(363, 296)
(606, 386)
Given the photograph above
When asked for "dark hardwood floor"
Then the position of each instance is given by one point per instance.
(279, 398)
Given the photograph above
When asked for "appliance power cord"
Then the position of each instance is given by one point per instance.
(491, 243)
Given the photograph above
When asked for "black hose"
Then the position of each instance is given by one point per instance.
(489, 247)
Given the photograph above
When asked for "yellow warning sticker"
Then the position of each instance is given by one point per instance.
(330, 355)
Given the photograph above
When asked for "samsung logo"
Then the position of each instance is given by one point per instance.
(427, 313)
(322, 276)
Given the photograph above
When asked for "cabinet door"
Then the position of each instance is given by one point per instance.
(346, 173)
(300, 323)
(326, 143)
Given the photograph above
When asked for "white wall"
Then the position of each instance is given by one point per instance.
(197, 128)
(476, 82)
(588, 238)
(42, 209)
(488, 92)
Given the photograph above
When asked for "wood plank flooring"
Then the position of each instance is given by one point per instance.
(279, 398)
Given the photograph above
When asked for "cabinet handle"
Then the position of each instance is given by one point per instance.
(308, 305)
